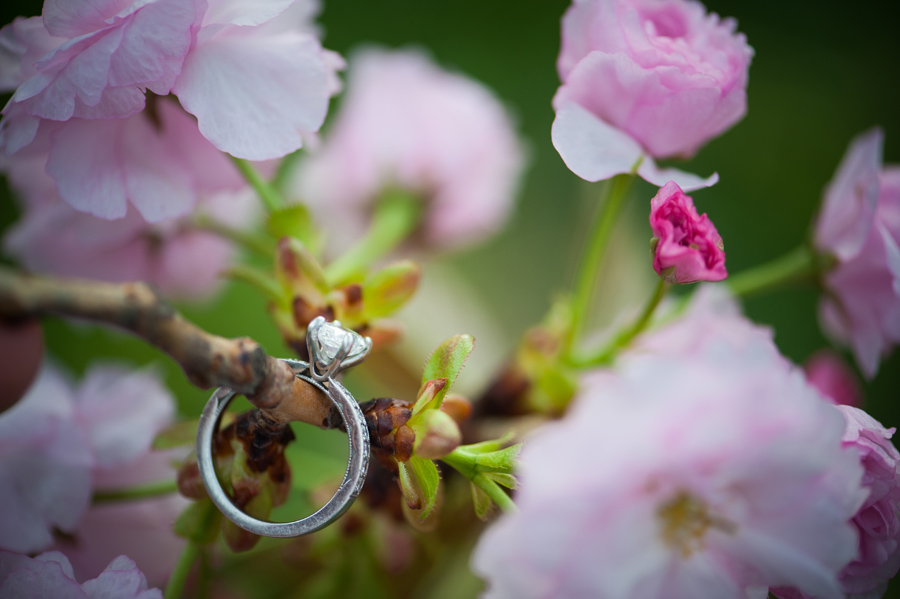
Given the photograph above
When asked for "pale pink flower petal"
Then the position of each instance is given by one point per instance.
(45, 466)
(283, 93)
(22, 43)
(408, 124)
(120, 580)
(848, 207)
(115, 50)
(241, 12)
(667, 74)
(53, 238)
(595, 151)
(703, 466)
(878, 520)
(651, 173)
(122, 410)
(44, 577)
(99, 166)
(49, 576)
(143, 530)
(687, 246)
(860, 305)
(591, 148)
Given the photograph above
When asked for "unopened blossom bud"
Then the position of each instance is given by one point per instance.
(22, 346)
(391, 439)
(686, 246)
(827, 372)
(388, 289)
(457, 407)
(298, 272)
(437, 434)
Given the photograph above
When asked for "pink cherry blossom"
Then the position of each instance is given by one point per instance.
(687, 246)
(645, 78)
(143, 530)
(122, 411)
(45, 466)
(878, 520)
(54, 238)
(859, 225)
(286, 78)
(82, 74)
(407, 123)
(50, 575)
(62, 441)
(110, 51)
(706, 469)
(827, 372)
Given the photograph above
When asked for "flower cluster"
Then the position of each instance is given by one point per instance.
(407, 124)
(676, 454)
(63, 443)
(83, 73)
(859, 226)
(643, 80)
(718, 471)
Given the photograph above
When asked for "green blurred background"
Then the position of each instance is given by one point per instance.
(823, 72)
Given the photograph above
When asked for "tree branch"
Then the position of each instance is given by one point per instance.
(207, 360)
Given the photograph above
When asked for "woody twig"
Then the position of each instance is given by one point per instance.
(208, 360)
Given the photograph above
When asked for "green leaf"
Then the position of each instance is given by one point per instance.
(429, 479)
(180, 434)
(507, 480)
(488, 446)
(385, 291)
(447, 360)
(409, 486)
(294, 221)
(483, 503)
(430, 396)
(498, 461)
(199, 522)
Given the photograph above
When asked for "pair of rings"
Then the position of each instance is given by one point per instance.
(331, 350)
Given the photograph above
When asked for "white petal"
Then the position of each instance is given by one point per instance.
(241, 12)
(254, 95)
(686, 181)
(591, 148)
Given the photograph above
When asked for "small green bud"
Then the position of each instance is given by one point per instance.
(437, 434)
(390, 288)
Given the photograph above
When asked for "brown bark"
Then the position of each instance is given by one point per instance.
(208, 360)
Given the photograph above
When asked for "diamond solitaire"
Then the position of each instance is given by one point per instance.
(333, 348)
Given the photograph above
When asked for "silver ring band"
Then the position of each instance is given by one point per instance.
(357, 438)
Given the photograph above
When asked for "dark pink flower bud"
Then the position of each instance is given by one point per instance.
(686, 246)
(827, 372)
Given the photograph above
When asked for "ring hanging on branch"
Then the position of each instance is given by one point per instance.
(332, 349)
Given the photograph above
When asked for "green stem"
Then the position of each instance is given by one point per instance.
(625, 336)
(163, 487)
(493, 490)
(396, 215)
(796, 265)
(254, 243)
(615, 191)
(266, 192)
(192, 550)
(285, 170)
(175, 586)
(256, 278)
